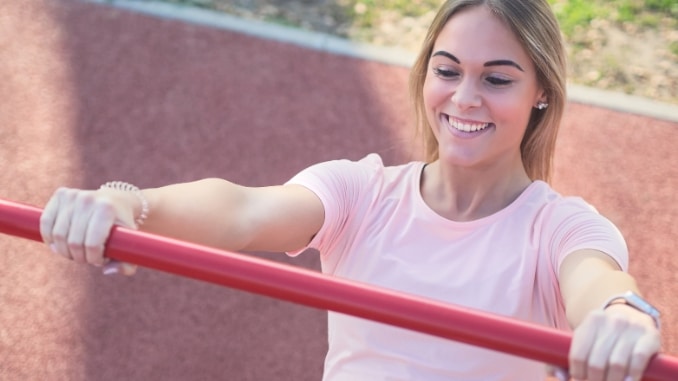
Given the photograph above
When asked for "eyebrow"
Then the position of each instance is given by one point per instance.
(487, 64)
(503, 63)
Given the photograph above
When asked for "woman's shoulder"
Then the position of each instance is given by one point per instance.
(558, 211)
(369, 167)
(544, 194)
(376, 162)
(569, 223)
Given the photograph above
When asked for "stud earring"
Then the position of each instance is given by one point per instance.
(542, 105)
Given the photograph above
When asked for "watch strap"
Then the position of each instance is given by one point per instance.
(636, 301)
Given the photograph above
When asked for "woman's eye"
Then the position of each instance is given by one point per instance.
(445, 73)
(495, 81)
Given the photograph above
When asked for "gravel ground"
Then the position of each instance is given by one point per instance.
(604, 55)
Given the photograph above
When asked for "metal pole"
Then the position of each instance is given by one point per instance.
(313, 289)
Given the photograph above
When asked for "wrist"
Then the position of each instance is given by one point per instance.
(632, 314)
(140, 208)
(631, 303)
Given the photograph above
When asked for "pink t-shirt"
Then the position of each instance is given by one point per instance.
(379, 230)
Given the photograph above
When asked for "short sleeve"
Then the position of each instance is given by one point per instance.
(575, 225)
(339, 184)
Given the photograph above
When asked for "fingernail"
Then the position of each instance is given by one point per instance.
(561, 374)
(111, 270)
(628, 378)
(53, 247)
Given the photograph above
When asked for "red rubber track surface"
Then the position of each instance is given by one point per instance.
(91, 93)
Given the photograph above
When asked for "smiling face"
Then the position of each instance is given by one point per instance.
(479, 91)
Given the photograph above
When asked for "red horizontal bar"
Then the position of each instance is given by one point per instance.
(314, 289)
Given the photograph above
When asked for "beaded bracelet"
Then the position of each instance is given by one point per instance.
(127, 187)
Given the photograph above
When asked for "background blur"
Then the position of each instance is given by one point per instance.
(629, 46)
(92, 93)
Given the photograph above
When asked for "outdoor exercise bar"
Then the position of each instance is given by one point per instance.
(321, 291)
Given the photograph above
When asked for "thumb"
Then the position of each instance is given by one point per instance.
(116, 267)
(123, 205)
(126, 220)
(560, 374)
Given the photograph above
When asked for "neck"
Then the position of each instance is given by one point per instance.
(466, 194)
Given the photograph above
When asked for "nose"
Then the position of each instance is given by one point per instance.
(466, 95)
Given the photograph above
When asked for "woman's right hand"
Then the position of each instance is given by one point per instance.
(76, 224)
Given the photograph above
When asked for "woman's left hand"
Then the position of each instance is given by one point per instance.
(615, 344)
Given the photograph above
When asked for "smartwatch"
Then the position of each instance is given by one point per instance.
(636, 301)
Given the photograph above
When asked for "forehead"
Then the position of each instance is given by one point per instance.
(477, 34)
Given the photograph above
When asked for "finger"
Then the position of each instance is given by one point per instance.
(582, 343)
(621, 356)
(81, 219)
(609, 338)
(62, 222)
(646, 347)
(98, 231)
(48, 216)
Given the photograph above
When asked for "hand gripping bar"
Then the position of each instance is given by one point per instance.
(321, 291)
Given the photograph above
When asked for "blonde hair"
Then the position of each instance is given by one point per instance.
(535, 26)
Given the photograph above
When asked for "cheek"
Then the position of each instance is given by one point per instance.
(427, 93)
(434, 98)
(515, 106)
(435, 93)
(511, 110)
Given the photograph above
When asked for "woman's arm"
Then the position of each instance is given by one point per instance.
(222, 214)
(615, 343)
(212, 212)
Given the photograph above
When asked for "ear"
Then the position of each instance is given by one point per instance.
(542, 100)
(541, 97)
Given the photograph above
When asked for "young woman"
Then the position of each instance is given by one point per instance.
(475, 225)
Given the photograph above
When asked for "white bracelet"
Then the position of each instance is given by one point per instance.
(127, 187)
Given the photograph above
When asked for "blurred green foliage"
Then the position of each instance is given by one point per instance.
(570, 13)
(645, 13)
(367, 13)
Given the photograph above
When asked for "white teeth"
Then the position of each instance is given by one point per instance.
(467, 127)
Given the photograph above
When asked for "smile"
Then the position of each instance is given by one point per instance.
(466, 126)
